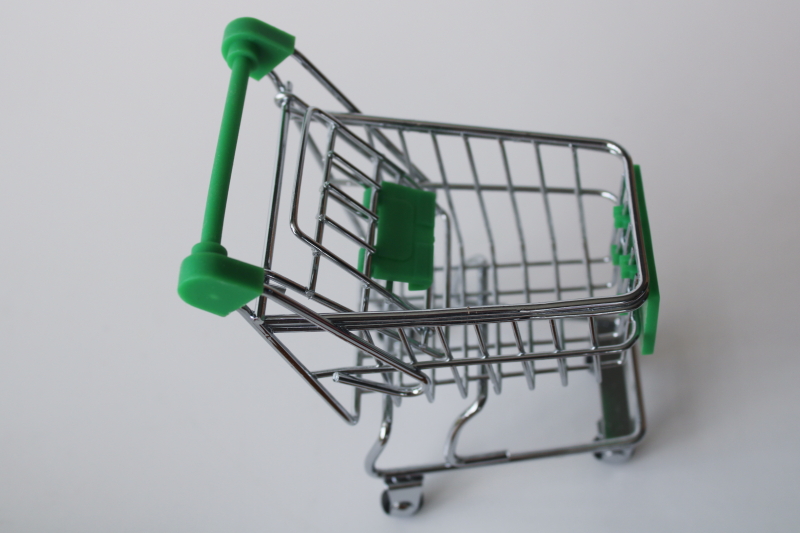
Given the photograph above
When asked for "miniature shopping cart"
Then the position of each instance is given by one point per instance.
(404, 256)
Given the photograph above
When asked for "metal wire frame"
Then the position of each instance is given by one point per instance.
(373, 125)
(330, 160)
(399, 335)
(453, 461)
(395, 312)
(614, 304)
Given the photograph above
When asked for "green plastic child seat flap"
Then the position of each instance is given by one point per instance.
(404, 242)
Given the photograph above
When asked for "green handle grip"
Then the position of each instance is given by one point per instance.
(650, 310)
(209, 279)
(226, 150)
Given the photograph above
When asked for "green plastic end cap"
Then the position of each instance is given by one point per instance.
(214, 282)
(404, 245)
(264, 45)
(614, 252)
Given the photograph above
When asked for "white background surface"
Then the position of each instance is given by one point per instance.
(123, 409)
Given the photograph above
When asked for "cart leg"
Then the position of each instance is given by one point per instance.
(616, 421)
(403, 495)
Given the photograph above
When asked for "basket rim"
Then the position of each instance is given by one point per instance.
(582, 307)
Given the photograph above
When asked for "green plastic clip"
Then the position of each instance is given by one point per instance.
(621, 216)
(209, 279)
(615, 254)
(404, 245)
(627, 270)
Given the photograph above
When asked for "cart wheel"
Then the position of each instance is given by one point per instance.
(400, 508)
(403, 496)
(616, 456)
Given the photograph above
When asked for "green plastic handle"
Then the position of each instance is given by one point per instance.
(650, 311)
(209, 279)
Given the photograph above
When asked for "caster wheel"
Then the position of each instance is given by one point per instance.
(618, 456)
(403, 496)
(403, 508)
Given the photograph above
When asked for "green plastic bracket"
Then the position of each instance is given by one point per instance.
(214, 282)
(627, 270)
(263, 45)
(615, 254)
(650, 312)
(621, 216)
(209, 279)
(404, 244)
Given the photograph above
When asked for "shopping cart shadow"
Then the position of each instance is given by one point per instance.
(670, 388)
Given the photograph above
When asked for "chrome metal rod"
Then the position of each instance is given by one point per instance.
(345, 335)
(308, 376)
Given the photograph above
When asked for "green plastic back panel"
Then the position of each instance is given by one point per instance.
(209, 279)
(404, 245)
(650, 311)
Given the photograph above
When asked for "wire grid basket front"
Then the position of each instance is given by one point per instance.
(503, 291)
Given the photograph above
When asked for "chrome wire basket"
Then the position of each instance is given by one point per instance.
(537, 261)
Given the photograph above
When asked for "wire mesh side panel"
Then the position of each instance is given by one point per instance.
(521, 219)
(530, 220)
